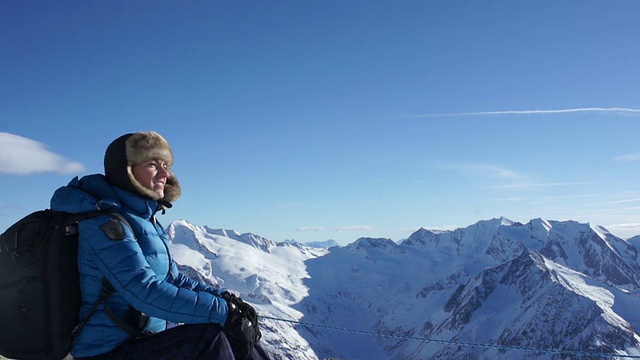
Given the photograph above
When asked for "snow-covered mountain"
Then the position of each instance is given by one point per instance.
(635, 241)
(496, 289)
(321, 244)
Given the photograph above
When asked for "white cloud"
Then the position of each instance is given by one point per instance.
(534, 185)
(356, 228)
(498, 171)
(543, 198)
(624, 230)
(529, 112)
(628, 157)
(485, 170)
(22, 156)
(339, 229)
(311, 228)
(616, 202)
(627, 226)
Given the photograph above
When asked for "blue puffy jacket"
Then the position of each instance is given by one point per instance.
(139, 266)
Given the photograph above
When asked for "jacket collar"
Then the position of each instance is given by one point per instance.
(143, 207)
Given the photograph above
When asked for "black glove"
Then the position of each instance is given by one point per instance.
(241, 327)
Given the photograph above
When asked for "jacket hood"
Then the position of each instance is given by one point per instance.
(135, 148)
(93, 192)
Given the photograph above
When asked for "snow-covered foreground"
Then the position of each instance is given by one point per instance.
(494, 290)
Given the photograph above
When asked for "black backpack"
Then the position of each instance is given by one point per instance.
(39, 285)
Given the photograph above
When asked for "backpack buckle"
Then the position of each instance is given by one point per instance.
(70, 230)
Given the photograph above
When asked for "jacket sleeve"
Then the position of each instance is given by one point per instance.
(182, 281)
(123, 264)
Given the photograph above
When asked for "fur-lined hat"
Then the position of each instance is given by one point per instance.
(136, 148)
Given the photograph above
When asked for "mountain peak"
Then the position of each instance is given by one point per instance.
(247, 238)
(495, 223)
(370, 243)
(422, 237)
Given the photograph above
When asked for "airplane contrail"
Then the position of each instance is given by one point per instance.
(530, 112)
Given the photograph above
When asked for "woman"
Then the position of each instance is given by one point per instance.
(129, 263)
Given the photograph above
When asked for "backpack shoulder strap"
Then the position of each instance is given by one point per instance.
(72, 218)
(107, 289)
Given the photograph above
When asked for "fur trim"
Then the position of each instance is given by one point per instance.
(172, 190)
(136, 148)
(143, 146)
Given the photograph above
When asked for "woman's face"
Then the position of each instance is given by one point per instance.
(152, 174)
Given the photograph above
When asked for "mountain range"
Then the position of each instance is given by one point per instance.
(496, 289)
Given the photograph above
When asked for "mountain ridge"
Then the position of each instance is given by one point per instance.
(545, 284)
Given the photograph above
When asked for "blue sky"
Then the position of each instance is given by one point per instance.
(315, 120)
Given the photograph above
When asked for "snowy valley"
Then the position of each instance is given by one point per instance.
(496, 289)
